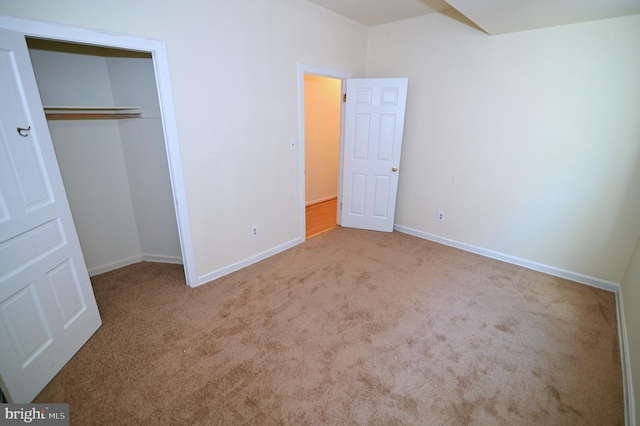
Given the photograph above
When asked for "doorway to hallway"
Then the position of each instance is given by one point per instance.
(322, 126)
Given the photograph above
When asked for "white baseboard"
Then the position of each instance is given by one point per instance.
(134, 259)
(159, 258)
(551, 270)
(114, 265)
(246, 262)
(627, 378)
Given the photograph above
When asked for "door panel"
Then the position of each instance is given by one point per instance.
(26, 324)
(374, 121)
(47, 307)
(67, 292)
(381, 198)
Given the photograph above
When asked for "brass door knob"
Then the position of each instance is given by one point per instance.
(394, 169)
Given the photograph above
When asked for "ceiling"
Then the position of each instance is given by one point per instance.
(493, 16)
(376, 12)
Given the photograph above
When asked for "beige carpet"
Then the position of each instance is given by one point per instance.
(351, 327)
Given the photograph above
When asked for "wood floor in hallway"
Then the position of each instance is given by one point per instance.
(321, 217)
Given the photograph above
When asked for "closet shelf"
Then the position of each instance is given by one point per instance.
(92, 112)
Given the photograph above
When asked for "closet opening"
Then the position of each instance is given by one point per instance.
(105, 121)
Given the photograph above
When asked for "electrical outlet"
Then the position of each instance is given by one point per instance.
(441, 215)
(254, 231)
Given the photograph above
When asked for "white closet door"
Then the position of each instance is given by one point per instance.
(47, 307)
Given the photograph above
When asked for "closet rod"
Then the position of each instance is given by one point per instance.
(91, 116)
(91, 113)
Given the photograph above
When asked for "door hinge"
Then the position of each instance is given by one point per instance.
(344, 98)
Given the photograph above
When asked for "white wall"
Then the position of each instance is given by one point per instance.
(630, 290)
(234, 77)
(90, 155)
(529, 141)
(133, 83)
(322, 100)
(95, 180)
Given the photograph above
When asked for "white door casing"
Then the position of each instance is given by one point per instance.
(372, 144)
(323, 72)
(47, 307)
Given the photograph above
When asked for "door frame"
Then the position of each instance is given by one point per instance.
(158, 51)
(322, 72)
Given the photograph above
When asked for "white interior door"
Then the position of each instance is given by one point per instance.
(374, 123)
(47, 307)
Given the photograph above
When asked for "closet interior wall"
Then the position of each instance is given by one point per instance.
(115, 171)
